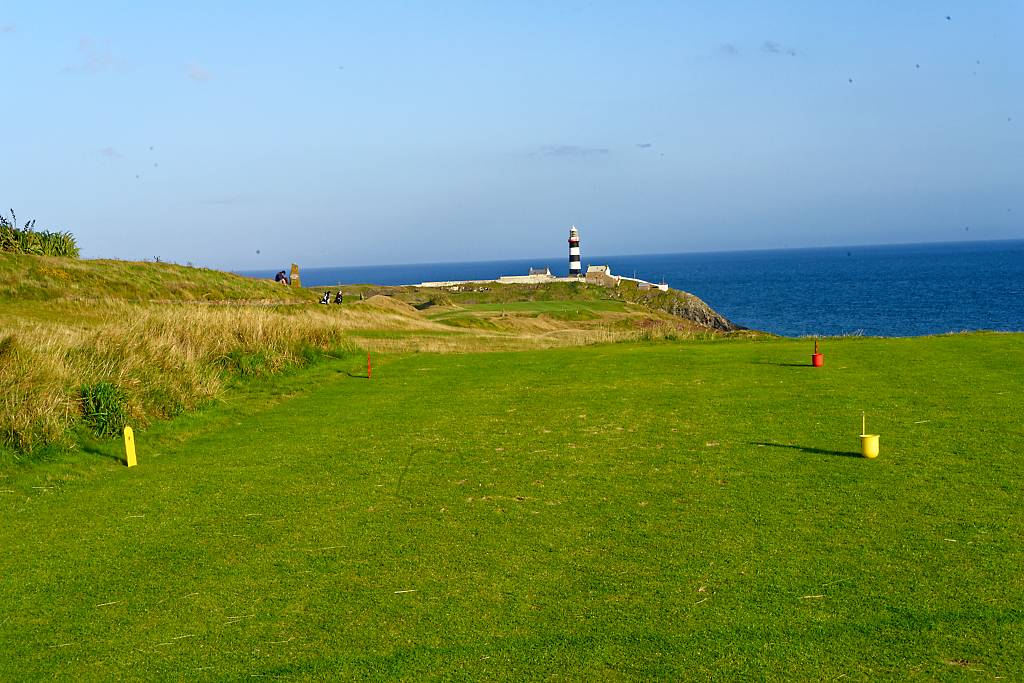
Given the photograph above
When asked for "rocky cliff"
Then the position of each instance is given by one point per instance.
(681, 304)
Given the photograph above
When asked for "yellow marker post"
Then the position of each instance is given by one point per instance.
(129, 446)
(868, 442)
(295, 276)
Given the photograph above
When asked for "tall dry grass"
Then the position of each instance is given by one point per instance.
(165, 359)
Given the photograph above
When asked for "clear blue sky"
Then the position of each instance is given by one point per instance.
(333, 133)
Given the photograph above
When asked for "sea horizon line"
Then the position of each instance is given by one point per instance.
(540, 260)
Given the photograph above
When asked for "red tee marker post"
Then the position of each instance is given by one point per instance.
(369, 368)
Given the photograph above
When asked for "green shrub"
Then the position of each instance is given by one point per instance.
(104, 408)
(28, 240)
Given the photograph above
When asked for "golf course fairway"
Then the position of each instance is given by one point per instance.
(658, 511)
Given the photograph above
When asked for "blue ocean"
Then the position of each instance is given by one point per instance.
(890, 291)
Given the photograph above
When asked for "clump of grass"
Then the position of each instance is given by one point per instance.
(28, 240)
(35, 405)
(247, 364)
(104, 408)
(437, 298)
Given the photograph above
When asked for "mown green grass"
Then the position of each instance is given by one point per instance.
(539, 307)
(663, 512)
(477, 315)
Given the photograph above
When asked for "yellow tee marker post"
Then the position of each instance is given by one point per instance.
(129, 446)
(868, 442)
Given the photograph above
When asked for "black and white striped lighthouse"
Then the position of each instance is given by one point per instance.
(574, 252)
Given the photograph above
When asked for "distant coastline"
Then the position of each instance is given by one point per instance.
(879, 290)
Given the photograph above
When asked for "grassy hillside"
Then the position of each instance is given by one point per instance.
(677, 304)
(36, 278)
(157, 339)
(661, 511)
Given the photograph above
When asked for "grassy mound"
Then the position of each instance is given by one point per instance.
(389, 304)
(35, 278)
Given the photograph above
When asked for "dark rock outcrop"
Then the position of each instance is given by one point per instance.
(682, 305)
